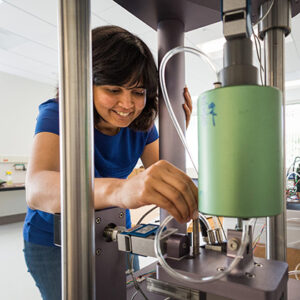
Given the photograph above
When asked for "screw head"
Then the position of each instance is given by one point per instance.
(258, 265)
(98, 220)
(221, 269)
(249, 275)
(121, 215)
(233, 244)
(98, 251)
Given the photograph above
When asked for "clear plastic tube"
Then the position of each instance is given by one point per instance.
(294, 272)
(245, 237)
(179, 276)
(162, 68)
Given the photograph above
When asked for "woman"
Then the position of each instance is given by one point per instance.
(125, 106)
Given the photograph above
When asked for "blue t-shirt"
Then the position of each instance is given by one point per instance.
(115, 157)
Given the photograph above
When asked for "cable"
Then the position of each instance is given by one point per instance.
(133, 296)
(162, 68)
(265, 15)
(257, 239)
(254, 227)
(145, 214)
(135, 283)
(293, 164)
(258, 53)
(297, 174)
(179, 276)
(142, 277)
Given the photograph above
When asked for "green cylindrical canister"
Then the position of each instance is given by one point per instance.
(240, 151)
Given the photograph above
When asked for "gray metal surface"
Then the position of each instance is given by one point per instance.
(174, 292)
(131, 289)
(164, 288)
(76, 150)
(266, 279)
(238, 66)
(171, 35)
(177, 245)
(181, 293)
(279, 17)
(274, 45)
(235, 18)
(110, 262)
(293, 289)
(192, 13)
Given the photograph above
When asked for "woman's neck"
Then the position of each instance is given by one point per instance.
(108, 130)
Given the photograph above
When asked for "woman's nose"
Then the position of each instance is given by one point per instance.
(126, 101)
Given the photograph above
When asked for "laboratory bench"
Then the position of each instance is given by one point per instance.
(12, 203)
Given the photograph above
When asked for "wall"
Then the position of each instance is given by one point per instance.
(19, 102)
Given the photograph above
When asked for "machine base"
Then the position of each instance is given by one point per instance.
(260, 279)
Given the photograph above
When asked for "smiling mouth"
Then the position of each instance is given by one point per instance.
(122, 114)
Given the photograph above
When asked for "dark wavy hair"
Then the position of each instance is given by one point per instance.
(121, 58)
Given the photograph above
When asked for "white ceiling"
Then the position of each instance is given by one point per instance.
(29, 48)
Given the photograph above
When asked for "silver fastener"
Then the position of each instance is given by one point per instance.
(233, 244)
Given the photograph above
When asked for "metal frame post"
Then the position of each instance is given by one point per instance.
(273, 30)
(76, 150)
(171, 35)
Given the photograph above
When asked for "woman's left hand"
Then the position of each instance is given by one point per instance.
(187, 106)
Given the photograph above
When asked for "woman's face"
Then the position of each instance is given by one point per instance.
(118, 106)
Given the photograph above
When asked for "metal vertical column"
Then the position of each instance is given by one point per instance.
(276, 226)
(171, 35)
(76, 151)
(273, 29)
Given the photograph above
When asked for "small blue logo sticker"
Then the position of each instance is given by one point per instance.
(212, 112)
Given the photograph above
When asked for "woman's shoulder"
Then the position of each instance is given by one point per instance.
(147, 136)
(50, 104)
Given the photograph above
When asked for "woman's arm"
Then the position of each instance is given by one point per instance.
(161, 184)
(42, 177)
(150, 154)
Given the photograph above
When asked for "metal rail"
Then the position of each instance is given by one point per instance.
(76, 150)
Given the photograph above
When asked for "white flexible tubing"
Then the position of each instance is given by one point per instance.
(162, 68)
(157, 249)
(179, 276)
(294, 272)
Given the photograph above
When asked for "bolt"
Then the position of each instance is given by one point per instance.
(221, 269)
(98, 220)
(121, 215)
(258, 265)
(233, 244)
(98, 251)
(217, 84)
(249, 275)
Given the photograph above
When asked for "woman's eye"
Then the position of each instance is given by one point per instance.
(113, 91)
(140, 93)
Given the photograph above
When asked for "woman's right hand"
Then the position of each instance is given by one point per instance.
(164, 185)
